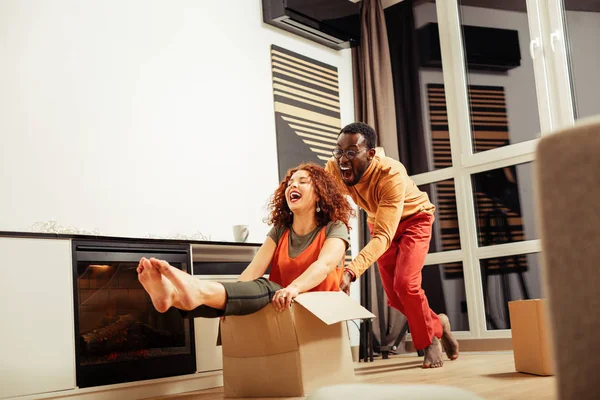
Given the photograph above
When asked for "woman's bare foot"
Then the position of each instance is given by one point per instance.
(161, 291)
(450, 344)
(433, 354)
(189, 289)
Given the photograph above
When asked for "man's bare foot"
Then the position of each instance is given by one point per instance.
(161, 291)
(433, 354)
(189, 289)
(448, 342)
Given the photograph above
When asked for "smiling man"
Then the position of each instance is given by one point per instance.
(400, 217)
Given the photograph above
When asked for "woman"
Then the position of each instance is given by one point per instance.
(305, 248)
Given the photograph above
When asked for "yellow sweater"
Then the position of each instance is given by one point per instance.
(388, 195)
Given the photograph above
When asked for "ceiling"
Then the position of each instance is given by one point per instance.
(514, 5)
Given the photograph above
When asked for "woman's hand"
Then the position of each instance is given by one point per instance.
(283, 297)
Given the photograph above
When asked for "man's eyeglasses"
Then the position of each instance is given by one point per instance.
(350, 154)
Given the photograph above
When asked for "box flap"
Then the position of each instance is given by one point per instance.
(263, 333)
(332, 307)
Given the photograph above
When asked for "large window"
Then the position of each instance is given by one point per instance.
(481, 127)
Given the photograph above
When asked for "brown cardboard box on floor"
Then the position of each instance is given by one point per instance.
(531, 336)
(291, 353)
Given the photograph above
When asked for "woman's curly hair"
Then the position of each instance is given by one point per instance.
(332, 199)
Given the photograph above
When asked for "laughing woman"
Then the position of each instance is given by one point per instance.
(305, 248)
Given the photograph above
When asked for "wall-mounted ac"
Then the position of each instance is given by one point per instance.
(487, 49)
(333, 23)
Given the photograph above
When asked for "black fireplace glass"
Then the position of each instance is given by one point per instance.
(120, 337)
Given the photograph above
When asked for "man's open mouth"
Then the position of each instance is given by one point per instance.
(346, 172)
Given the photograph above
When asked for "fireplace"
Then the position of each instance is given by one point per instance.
(119, 336)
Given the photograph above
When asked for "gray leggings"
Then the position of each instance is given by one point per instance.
(242, 298)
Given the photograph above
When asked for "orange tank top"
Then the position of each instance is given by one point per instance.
(284, 269)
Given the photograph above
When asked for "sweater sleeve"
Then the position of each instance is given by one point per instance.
(387, 218)
(332, 169)
(329, 167)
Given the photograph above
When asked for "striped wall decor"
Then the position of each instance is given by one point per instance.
(488, 119)
(307, 110)
(489, 131)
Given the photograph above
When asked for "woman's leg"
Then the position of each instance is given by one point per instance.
(171, 287)
(191, 292)
(243, 298)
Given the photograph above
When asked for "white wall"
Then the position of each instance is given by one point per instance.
(139, 117)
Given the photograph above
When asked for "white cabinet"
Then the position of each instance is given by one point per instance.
(208, 355)
(37, 333)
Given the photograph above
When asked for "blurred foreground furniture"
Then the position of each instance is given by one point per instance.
(568, 197)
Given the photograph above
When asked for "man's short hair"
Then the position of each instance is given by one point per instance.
(363, 129)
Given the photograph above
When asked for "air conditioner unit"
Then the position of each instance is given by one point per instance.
(333, 23)
(487, 49)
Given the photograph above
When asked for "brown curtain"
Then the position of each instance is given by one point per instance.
(404, 59)
(373, 83)
(374, 104)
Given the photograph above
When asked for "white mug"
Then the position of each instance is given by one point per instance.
(240, 233)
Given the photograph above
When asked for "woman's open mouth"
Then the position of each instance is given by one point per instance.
(295, 196)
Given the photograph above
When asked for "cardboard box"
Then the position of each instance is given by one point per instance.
(291, 353)
(531, 337)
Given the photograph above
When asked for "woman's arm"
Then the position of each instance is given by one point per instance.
(260, 262)
(329, 258)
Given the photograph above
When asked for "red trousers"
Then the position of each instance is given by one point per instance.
(400, 269)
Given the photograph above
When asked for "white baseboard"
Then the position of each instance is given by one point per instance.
(139, 390)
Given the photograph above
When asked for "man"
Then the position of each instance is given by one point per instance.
(399, 218)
